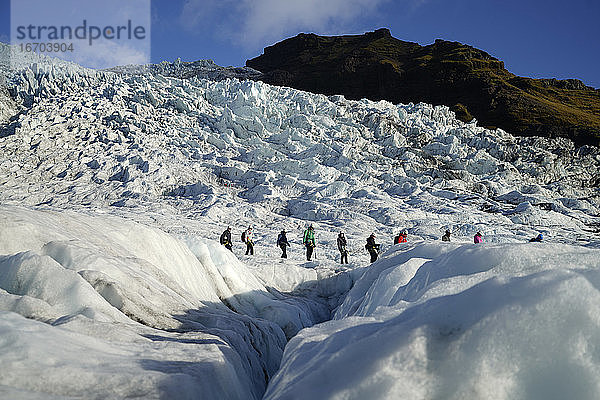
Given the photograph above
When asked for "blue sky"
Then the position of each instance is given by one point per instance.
(541, 39)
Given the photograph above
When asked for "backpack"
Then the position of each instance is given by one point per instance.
(244, 236)
(222, 239)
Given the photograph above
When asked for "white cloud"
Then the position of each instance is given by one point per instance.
(105, 54)
(252, 23)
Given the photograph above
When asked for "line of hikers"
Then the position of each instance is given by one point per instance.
(282, 241)
(308, 240)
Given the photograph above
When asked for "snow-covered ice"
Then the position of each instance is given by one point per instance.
(114, 189)
(501, 321)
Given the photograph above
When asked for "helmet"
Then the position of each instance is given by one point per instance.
(404, 232)
(541, 236)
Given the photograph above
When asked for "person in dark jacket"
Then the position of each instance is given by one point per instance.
(446, 237)
(342, 247)
(372, 247)
(283, 243)
(226, 239)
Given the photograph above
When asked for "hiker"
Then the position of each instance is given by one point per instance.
(446, 237)
(478, 238)
(247, 238)
(372, 247)
(538, 238)
(226, 239)
(283, 243)
(342, 243)
(401, 238)
(309, 241)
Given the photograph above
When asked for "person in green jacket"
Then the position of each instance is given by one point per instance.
(309, 241)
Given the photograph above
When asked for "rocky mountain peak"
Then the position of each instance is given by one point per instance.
(470, 81)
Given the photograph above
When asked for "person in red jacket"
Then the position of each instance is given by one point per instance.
(402, 237)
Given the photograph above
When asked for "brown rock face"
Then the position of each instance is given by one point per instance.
(472, 83)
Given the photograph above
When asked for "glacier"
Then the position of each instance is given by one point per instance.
(115, 186)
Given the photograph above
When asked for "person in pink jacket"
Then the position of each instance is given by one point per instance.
(478, 238)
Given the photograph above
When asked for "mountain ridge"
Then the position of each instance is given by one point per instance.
(470, 81)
